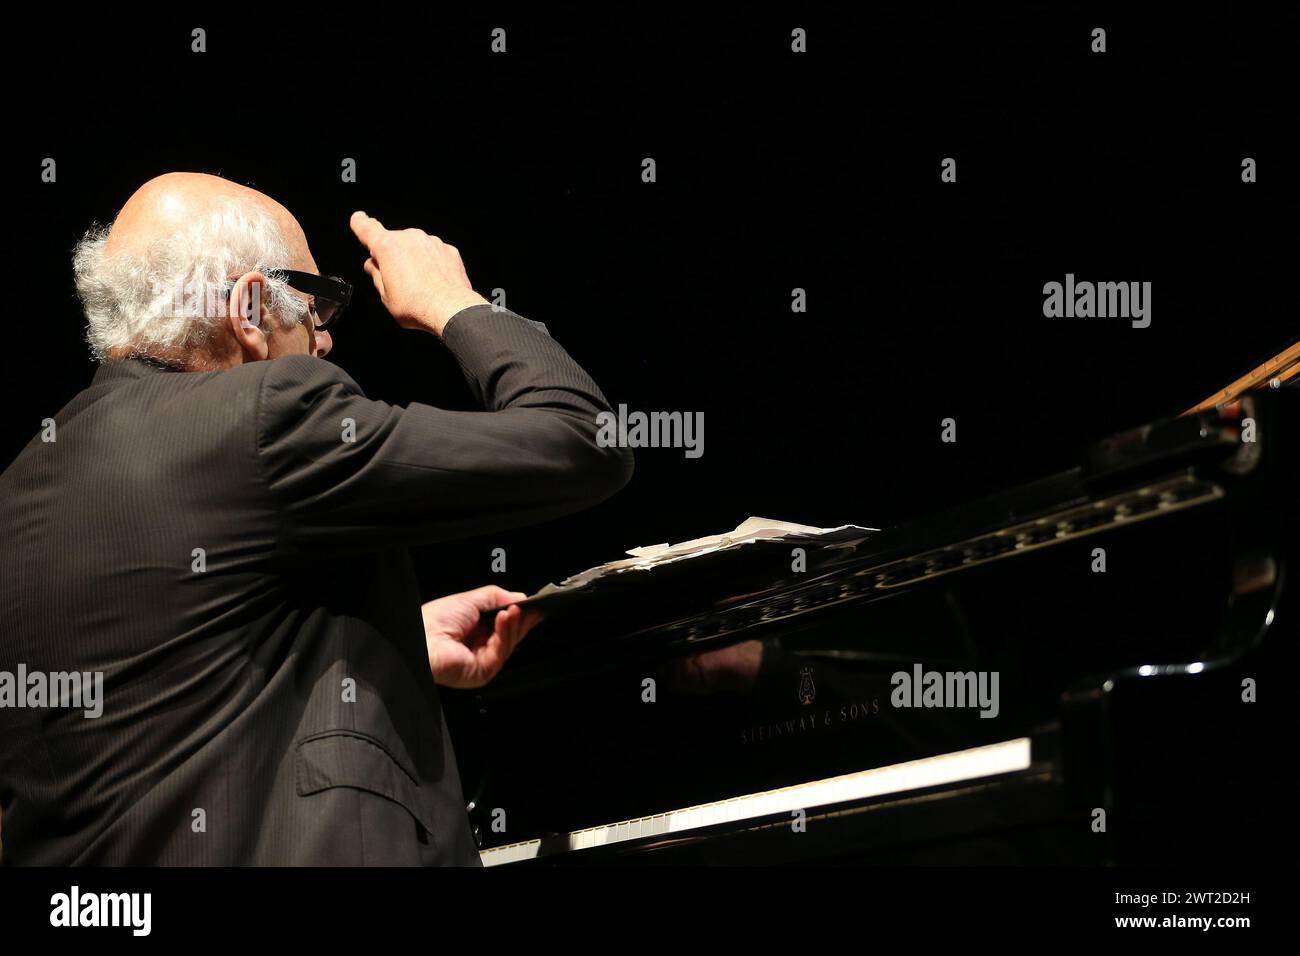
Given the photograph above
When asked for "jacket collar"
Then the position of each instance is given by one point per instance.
(129, 369)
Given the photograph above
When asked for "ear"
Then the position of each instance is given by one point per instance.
(247, 315)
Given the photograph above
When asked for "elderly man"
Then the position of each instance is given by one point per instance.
(216, 528)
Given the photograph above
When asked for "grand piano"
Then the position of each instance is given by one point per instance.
(1134, 608)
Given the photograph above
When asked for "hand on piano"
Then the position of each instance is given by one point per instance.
(464, 651)
(733, 668)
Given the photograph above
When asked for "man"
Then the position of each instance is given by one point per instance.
(217, 528)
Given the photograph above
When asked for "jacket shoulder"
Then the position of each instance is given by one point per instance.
(298, 395)
(290, 384)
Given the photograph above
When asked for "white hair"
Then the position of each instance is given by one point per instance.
(174, 295)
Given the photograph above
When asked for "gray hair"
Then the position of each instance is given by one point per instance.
(174, 295)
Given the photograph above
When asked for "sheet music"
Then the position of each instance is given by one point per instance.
(748, 532)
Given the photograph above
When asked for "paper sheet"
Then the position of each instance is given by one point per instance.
(655, 555)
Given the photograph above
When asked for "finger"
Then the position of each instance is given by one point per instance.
(479, 634)
(503, 623)
(503, 636)
(491, 657)
(528, 620)
(372, 270)
(521, 626)
(366, 228)
(490, 596)
(518, 625)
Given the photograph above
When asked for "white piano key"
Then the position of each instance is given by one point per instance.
(988, 761)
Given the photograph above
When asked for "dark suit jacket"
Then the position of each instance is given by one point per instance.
(277, 707)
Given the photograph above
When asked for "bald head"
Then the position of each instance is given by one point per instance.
(171, 202)
(172, 277)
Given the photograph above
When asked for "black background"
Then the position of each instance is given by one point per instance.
(775, 171)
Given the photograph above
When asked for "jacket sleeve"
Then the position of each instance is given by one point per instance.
(348, 473)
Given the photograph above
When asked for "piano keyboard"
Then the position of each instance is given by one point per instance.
(964, 765)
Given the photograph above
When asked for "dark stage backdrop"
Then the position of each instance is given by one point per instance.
(775, 170)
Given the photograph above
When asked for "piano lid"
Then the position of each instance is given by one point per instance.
(761, 557)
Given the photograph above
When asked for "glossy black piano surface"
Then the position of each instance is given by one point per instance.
(1127, 684)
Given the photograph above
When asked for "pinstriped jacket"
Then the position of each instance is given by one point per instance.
(262, 705)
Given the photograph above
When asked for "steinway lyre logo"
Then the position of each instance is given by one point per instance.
(807, 689)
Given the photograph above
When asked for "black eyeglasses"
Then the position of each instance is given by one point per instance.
(330, 295)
